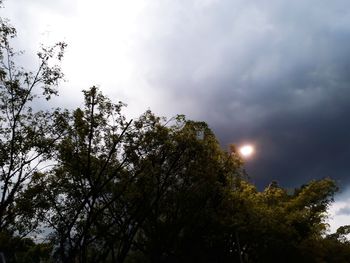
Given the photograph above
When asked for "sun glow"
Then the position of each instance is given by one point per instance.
(246, 150)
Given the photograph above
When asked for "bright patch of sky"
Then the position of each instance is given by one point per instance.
(340, 211)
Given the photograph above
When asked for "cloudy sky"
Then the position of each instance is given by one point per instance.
(272, 73)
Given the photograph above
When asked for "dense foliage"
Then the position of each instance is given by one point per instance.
(97, 187)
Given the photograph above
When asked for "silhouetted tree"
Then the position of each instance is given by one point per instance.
(26, 135)
(87, 163)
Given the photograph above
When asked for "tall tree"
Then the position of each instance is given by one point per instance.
(88, 161)
(26, 135)
(182, 176)
(115, 179)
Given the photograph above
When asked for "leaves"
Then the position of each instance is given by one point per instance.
(26, 136)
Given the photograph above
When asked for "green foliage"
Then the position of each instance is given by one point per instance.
(26, 135)
(153, 190)
(274, 226)
(184, 178)
(88, 164)
(23, 250)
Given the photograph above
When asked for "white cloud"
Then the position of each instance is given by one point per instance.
(340, 211)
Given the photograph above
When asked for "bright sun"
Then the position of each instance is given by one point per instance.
(246, 150)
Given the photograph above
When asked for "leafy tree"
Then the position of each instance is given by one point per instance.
(87, 163)
(114, 180)
(335, 247)
(23, 250)
(275, 226)
(185, 178)
(26, 135)
(157, 191)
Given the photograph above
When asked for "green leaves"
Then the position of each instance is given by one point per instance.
(26, 136)
(152, 189)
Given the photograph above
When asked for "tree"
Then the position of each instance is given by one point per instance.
(26, 135)
(115, 179)
(275, 226)
(88, 162)
(163, 191)
(185, 181)
(23, 250)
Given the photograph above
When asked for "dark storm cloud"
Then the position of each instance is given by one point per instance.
(273, 73)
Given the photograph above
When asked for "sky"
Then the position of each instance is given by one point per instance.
(274, 73)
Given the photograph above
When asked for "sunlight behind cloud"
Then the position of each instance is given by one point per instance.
(102, 38)
(246, 150)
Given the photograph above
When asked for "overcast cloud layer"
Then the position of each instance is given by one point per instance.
(273, 73)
